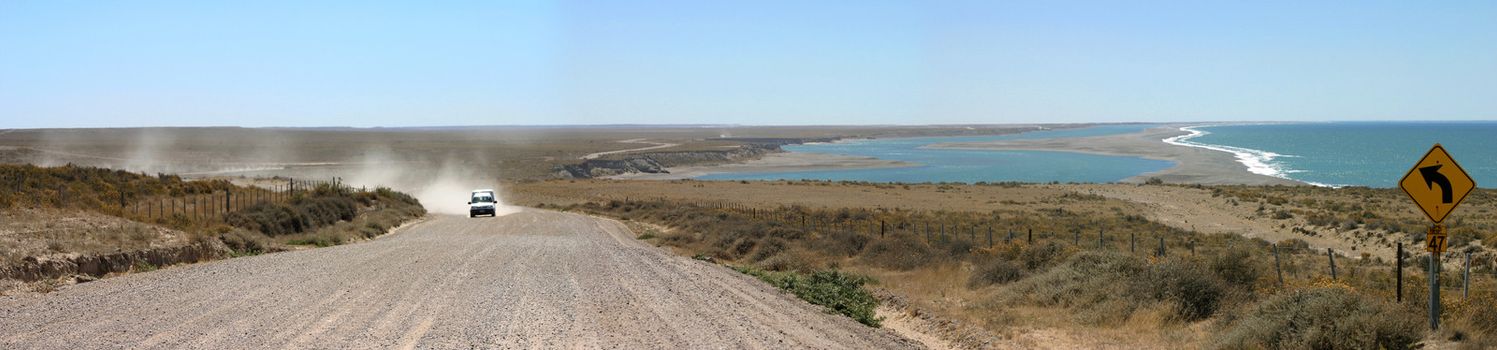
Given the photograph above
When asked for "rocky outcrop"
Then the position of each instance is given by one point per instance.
(38, 268)
(604, 167)
(675, 159)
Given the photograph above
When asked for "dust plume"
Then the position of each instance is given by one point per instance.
(442, 187)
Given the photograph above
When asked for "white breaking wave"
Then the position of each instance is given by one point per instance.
(1257, 161)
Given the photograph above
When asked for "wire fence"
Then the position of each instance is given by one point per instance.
(1402, 278)
(181, 205)
(217, 204)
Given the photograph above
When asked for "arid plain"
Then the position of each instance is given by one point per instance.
(1002, 267)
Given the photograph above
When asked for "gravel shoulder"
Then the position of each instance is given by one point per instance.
(534, 279)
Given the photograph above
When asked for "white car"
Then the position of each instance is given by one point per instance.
(482, 202)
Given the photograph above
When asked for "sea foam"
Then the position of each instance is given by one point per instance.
(1257, 161)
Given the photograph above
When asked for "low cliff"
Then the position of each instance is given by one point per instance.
(657, 162)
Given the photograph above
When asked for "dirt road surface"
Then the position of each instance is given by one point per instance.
(534, 279)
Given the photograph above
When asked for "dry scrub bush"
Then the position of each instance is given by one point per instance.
(1472, 321)
(1320, 318)
(900, 252)
(1238, 265)
(1087, 281)
(794, 259)
(768, 247)
(1107, 287)
(995, 271)
(1195, 292)
(244, 242)
(301, 215)
(842, 243)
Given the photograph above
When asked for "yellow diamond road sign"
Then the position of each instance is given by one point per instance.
(1437, 184)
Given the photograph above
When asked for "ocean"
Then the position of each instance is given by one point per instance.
(1372, 154)
(948, 165)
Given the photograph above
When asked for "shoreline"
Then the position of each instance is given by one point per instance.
(773, 162)
(1193, 165)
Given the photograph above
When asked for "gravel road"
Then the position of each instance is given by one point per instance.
(535, 279)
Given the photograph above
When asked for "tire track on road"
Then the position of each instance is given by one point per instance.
(531, 279)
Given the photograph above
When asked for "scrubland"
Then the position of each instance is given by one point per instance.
(1094, 273)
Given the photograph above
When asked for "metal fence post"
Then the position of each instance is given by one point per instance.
(1434, 291)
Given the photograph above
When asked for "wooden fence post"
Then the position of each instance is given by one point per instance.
(1161, 247)
(1100, 238)
(1466, 278)
(1398, 270)
(990, 236)
(1031, 235)
(1331, 256)
(1278, 269)
(1132, 242)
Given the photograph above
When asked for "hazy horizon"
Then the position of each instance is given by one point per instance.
(625, 126)
(357, 64)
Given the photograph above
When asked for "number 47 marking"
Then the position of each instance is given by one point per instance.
(1436, 244)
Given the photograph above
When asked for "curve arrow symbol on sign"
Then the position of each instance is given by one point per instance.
(1433, 176)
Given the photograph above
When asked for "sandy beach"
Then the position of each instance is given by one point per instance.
(1192, 165)
(773, 162)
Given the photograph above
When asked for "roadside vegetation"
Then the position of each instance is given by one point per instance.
(1368, 211)
(90, 211)
(839, 292)
(1088, 271)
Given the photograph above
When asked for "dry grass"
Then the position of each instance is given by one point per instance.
(1015, 288)
(161, 199)
(1379, 215)
(42, 231)
(73, 209)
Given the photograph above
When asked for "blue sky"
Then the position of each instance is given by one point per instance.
(366, 63)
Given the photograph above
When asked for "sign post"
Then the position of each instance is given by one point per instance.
(1437, 184)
